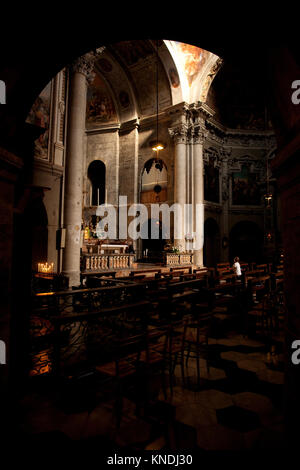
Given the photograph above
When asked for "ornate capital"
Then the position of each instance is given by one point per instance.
(85, 64)
(198, 134)
(179, 134)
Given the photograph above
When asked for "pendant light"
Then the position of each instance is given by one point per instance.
(157, 146)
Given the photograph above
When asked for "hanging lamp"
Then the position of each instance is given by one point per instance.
(157, 146)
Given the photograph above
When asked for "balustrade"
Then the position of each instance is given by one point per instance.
(95, 262)
(176, 259)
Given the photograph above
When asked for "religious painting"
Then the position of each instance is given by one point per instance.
(245, 188)
(39, 115)
(193, 59)
(100, 106)
(211, 182)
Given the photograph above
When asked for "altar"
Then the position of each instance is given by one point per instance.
(97, 256)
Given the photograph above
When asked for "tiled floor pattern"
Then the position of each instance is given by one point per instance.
(237, 405)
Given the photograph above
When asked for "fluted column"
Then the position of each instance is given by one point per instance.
(198, 199)
(79, 73)
(179, 135)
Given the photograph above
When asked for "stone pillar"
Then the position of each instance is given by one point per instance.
(179, 135)
(79, 73)
(198, 199)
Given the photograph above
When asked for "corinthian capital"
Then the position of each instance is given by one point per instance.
(85, 64)
(179, 133)
(199, 134)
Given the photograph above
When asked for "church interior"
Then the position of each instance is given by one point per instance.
(126, 340)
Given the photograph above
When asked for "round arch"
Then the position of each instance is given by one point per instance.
(97, 176)
(154, 181)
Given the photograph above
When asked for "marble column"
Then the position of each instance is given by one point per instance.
(198, 191)
(79, 73)
(179, 135)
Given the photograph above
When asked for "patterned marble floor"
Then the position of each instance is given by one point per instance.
(236, 405)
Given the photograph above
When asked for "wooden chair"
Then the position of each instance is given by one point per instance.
(197, 330)
(122, 370)
(164, 350)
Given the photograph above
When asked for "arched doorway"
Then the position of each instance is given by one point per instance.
(246, 242)
(152, 248)
(96, 174)
(211, 255)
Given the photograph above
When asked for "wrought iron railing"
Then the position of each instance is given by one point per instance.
(72, 329)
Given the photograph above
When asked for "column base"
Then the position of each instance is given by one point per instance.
(74, 278)
(198, 258)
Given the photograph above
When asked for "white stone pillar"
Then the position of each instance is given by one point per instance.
(79, 73)
(180, 137)
(198, 199)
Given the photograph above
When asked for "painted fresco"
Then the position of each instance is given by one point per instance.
(245, 188)
(193, 58)
(100, 108)
(211, 182)
(39, 115)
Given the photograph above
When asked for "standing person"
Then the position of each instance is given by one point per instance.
(237, 267)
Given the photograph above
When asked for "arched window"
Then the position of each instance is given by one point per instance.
(96, 175)
(154, 181)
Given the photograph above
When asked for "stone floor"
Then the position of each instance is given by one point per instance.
(236, 405)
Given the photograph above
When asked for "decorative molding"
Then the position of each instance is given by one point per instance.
(212, 73)
(103, 129)
(213, 207)
(130, 125)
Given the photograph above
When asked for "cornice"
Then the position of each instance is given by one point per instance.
(47, 167)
